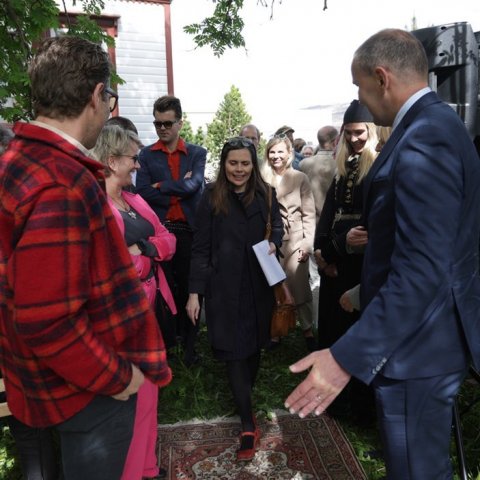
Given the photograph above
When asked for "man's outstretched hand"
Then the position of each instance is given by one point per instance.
(324, 382)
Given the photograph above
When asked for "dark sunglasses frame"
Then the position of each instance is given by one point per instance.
(167, 125)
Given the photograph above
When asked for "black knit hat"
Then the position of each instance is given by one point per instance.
(357, 113)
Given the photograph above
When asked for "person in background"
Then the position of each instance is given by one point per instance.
(251, 132)
(297, 208)
(287, 132)
(419, 328)
(320, 168)
(124, 123)
(232, 217)
(149, 243)
(171, 180)
(307, 151)
(340, 264)
(77, 336)
(298, 144)
(357, 237)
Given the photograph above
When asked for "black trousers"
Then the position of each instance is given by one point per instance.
(177, 272)
(95, 441)
(36, 451)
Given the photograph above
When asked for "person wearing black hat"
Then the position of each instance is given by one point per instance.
(339, 264)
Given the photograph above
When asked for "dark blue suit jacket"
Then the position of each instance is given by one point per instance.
(154, 168)
(420, 280)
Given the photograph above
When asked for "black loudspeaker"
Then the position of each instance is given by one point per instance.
(454, 70)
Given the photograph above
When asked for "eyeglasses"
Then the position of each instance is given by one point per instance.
(133, 157)
(238, 142)
(113, 99)
(280, 135)
(167, 125)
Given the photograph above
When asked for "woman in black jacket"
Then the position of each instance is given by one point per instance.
(231, 218)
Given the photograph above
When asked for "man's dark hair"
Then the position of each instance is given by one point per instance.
(64, 73)
(168, 102)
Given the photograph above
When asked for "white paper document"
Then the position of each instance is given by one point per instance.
(271, 267)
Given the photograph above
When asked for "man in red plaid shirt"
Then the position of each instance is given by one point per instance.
(77, 334)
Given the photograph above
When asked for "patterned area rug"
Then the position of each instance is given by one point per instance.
(290, 448)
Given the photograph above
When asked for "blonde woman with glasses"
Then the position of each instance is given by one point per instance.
(149, 243)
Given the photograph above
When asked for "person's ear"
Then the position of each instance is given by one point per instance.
(112, 164)
(382, 77)
(98, 95)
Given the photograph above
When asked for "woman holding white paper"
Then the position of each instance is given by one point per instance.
(297, 208)
(231, 218)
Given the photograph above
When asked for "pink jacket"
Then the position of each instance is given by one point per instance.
(164, 241)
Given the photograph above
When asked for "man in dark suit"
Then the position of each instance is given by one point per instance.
(171, 180)
(420, 296)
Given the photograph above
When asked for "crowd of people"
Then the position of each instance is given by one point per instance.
(110, 250)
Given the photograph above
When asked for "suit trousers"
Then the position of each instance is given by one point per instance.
(177, 272)
(415, 419)
(95, 441)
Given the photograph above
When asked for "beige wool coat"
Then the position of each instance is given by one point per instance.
(320, 170)
(297, 208)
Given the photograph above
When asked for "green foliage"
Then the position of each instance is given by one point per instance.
(9, 465)
(198, 138)
(229, 118)
(23, 24)
(222, 30)
(187, 131)
(261, 150)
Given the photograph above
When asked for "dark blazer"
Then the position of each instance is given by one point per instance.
(220, 245)
(154, 168)
(420, 281)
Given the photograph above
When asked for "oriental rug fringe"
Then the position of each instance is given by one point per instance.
(290, 448)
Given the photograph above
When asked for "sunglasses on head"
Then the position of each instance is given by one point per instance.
(167, 124)
(238, 142)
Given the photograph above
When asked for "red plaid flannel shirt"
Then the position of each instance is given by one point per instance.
(73, 312)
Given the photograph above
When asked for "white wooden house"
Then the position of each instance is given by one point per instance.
(142, 55)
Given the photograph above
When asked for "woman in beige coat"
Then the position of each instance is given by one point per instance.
(297, 207)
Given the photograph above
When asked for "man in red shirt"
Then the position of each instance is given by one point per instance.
(77, 334)
(171, 181)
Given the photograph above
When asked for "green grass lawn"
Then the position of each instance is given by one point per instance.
(202, 392)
